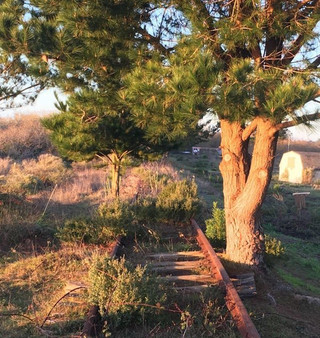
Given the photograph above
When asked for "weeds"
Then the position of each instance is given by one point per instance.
(178, 202)
(216, 226)
(124, 293)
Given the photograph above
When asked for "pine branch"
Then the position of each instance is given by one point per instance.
(201, 8)
(315, 63)
(297, 121)
(299, 41)
(18, 92)
(155, 41)
(293, 50)
(313, 7)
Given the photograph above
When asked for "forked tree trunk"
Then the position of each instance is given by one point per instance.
(245, 182)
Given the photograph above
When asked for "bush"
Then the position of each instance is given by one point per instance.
(112, 220)
(32, 175)
(216, 226)
(127, 295)
(88, 231)
(178, 202)
(273, 247)
(17, 181)
(48, 169)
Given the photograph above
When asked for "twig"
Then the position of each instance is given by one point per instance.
(58, 301)
(16, 314)
(51, 195)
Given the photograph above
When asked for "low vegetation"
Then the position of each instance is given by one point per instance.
(57, 220)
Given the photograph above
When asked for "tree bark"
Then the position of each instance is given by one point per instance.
(116, 171)
(245, 182)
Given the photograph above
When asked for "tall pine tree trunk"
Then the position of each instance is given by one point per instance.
(245, 182)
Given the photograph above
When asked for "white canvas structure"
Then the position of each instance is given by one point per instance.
(300, 167)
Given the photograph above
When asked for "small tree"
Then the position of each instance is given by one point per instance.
(87, 128)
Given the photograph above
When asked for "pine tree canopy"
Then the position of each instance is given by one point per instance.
(170, 62)
(141, 74)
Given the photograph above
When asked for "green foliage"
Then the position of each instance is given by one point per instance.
(273, 246)
(117, 214)
(178, 201)
(127, 295)
(86, 230)
(112, 220)
(216, 226)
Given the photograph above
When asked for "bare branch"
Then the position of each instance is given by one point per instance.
(18, 92)
(298, 120)
(315, 63)
(155, 41)
(293, 50)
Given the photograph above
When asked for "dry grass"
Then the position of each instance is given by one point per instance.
(23, 137)
(37, 286)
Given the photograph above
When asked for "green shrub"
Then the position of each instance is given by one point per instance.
(178, 202)
(216, 226)
(127, 295)
(145, 210)
(273, 246)
(88, 230)
(113, 219)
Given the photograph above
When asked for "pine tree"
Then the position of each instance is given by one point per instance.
(88, 128)
(252, 63)
(85, 48)
(166, 63)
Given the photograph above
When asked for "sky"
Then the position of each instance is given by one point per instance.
(44, 105)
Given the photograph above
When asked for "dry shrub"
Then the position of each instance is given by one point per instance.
(5, 165)
(148, 179)
(23, 137)
(33, 175)
(86, 182)
(49, 169)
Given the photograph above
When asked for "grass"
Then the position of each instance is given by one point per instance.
(31, 285)
(35, 268)
(300, 265)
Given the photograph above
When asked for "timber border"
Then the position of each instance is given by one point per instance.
(233, 301)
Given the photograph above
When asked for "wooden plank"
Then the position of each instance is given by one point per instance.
(244, 281)
(187, 264)
(233, 301)
(176, 255)
(195, 278)
(193, 288)
(172, 269)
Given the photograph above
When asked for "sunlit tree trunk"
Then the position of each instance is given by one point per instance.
(116, 173)
(245, 182)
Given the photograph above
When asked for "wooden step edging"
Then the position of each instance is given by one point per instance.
(233, 301)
